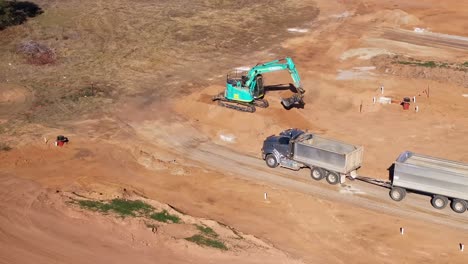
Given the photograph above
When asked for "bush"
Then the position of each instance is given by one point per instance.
(120, 206)
(37, 53)
(207, 231)
(165, 217)
(204, 241)
(15, 13)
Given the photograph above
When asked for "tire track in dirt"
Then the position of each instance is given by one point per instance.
(376, 198)
(428, 39)
(187, 142)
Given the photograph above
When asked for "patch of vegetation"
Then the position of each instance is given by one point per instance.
(207, 231)
(433, 64)
(17, 12)
(165, 217)
(4, 147)
(123, 207)
(405, 62)
(207, 237)
(87, 91)
(429, 64)
(205, 241)
(120, 206)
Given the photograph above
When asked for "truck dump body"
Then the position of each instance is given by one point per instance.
(431, 175)
(326, 153)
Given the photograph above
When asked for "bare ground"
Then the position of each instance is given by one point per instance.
(132, 91)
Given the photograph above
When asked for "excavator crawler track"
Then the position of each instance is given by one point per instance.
(239, 106)
(261, 103)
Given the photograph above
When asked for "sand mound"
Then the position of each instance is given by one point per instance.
(237, 129)
(45, 225)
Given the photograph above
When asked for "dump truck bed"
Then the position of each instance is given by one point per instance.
(431, 175)
(327, 153)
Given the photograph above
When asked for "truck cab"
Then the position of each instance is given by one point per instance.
(278, 146)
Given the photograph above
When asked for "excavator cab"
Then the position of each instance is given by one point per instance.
(236, 89)
(259, 90)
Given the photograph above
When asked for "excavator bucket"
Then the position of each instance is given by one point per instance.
(295, 99)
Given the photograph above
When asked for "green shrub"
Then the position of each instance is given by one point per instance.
(165, 217)
(207, 231)
(17, 12)
(120, 206)
(204, 241)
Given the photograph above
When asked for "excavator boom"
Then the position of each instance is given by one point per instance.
(273, 66)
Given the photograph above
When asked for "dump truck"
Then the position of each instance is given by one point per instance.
(326, 158)
(443, 179)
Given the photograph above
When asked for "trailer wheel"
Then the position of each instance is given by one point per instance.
(439, 201)
(271, 161)
(333, 178)
(397, 193)
(317, 173)
(459, 206)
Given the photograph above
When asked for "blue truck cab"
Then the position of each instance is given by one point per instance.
(275, 147)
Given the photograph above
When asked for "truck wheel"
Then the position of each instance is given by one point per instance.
(271, 161)
(439, 201)
(333, 178)
(317, 173)
(459, 206)
(397, 193)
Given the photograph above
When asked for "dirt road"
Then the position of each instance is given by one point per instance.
(428, 39)
(356, 193)
(196, 149)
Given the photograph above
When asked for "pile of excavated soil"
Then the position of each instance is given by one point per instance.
(58, 230)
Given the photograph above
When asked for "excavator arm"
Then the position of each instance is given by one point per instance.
(273, 66)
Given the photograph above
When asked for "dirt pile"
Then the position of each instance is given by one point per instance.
(394, 18)
(53, 221)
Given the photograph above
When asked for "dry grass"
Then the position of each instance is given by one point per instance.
(155, 49)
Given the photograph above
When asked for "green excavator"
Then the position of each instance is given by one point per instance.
(245, 90)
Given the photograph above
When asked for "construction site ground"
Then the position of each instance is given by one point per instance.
(132, 90)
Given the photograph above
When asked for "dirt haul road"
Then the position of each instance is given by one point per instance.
(203, 152)
(427, 39)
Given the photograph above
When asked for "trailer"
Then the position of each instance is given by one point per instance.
(326, 158)
(443, 179)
